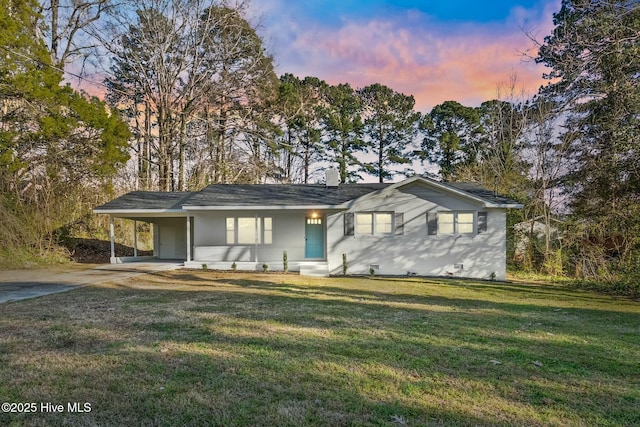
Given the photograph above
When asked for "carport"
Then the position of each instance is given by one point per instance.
(172, 227)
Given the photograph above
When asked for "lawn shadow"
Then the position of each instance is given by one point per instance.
(267, 351)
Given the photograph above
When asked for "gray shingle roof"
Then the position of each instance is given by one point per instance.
(161, 200)
(481, 192)
(280, 194)
(222, 195)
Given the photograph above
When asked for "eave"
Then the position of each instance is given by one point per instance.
(265, 207)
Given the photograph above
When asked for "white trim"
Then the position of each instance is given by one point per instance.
(136, 211)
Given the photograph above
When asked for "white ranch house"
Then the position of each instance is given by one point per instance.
(416, 226)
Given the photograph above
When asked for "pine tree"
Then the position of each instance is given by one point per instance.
(594, 56)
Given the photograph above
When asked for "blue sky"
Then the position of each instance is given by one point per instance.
(331, 12)
(433, 50)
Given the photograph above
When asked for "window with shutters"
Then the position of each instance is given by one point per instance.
(455, 223)
(364, 223)
(383, 223)
(373, 223)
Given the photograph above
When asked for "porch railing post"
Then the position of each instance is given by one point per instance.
(135, 239)
(112, 237)
(188, 238)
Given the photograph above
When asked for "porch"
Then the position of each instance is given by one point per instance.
(304, 268)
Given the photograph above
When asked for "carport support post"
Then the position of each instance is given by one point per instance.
(112, 237)
(188, 238)
(135, 239)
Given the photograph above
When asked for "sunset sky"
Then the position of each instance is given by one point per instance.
(435, 50)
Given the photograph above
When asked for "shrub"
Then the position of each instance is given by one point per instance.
(345, 266)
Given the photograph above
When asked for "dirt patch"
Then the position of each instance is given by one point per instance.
(94, 251)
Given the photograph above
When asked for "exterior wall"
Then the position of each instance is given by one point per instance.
(288, 235)
(414, 251)
(170, 238)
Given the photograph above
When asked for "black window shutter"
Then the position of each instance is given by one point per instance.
(348, 224)
(432, 223)
(399, 222)
(482, 222)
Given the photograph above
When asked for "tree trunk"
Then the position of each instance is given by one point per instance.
(147, 147)
(342, 160)
(380, 156)
(182, 183)
(55, 4)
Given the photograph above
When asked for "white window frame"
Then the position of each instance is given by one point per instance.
(456, 224)
(376, 223)
(374, 228)
(359, 224)
(467, 223)
(230, 230)
(267, 230)
(263, 226)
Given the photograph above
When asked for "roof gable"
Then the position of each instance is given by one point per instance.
(466, 190)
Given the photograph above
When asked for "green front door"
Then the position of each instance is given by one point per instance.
(314, 236)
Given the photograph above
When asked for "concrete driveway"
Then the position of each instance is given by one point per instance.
(22, 284)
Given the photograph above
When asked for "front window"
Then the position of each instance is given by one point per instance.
(268, 231)
(374, 223)
(231, 231)
(364, 223)
(249, 230)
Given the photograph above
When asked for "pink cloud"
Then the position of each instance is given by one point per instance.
(413, 55)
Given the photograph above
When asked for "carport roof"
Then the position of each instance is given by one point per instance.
(147, 200)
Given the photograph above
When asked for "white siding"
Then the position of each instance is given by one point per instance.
(288, 235)
(471, 255)
(465, 255)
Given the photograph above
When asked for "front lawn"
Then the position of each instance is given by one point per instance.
(209, 348)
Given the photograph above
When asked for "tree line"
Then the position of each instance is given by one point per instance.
(192, 98)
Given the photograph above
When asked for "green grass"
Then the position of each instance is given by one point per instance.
(233, 349)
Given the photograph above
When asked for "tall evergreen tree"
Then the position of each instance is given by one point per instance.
(390, 125)
(453, 140)
(342, 126)
(594, 56)
(299, 104)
